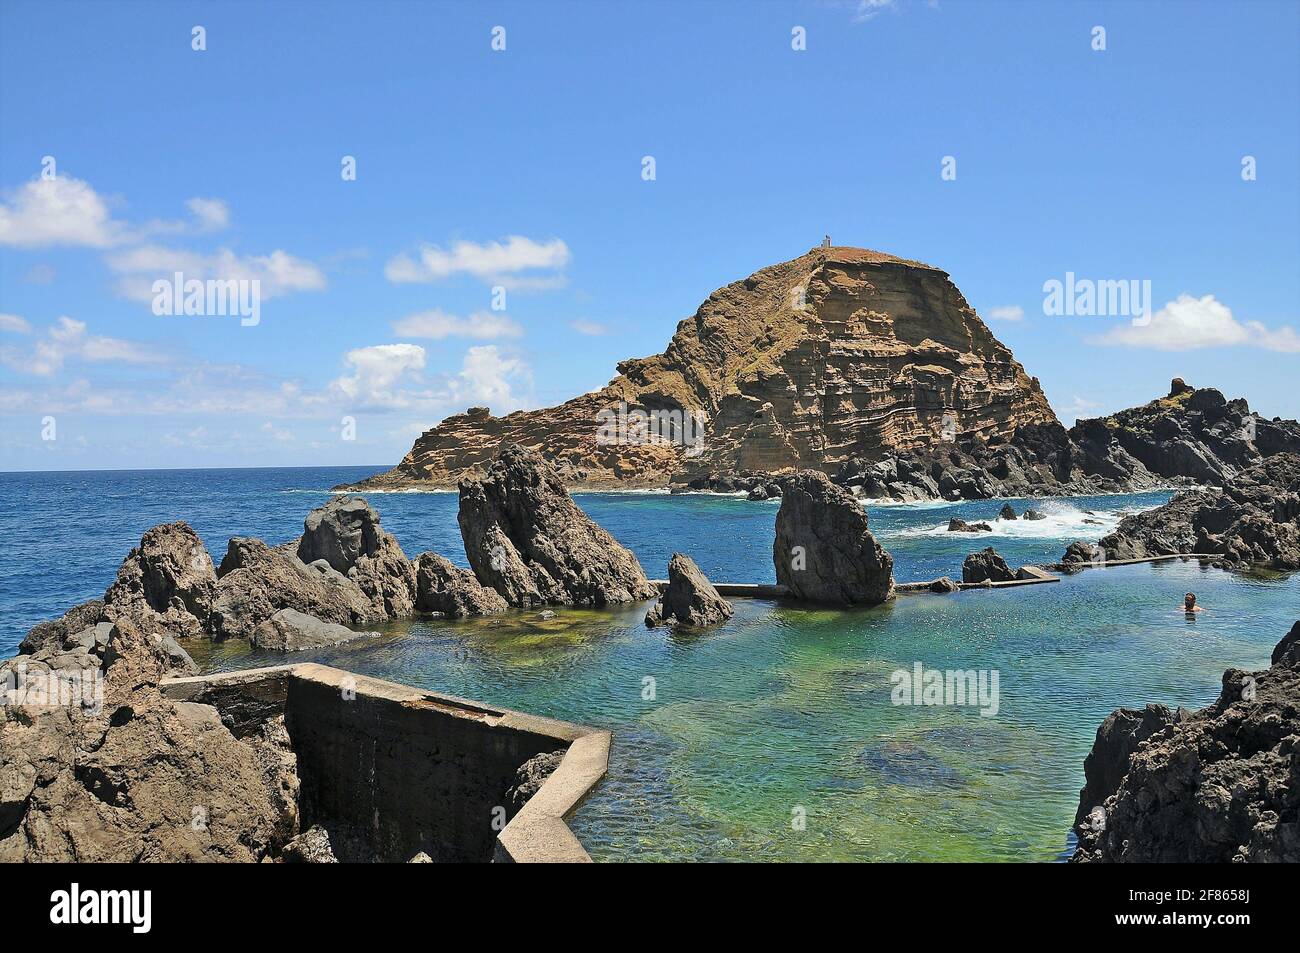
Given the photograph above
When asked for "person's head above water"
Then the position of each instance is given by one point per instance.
(1189, 601)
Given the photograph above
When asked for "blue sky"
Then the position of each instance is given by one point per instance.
(522, 168)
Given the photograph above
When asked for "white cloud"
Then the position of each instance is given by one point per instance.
(65, 210)
(211, 214)
(67, 340)
(11, 322)
(482, 325)
(589, 328)
(279, 272)
(495, 262)
(486, 378)
(58, 211)
(1007, 312)
(391, 377)
(376, 371)
(869, 8)
(1188, 323)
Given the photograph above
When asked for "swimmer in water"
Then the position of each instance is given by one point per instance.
(1189, 604)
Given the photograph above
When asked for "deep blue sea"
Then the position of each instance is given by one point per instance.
(773, 736)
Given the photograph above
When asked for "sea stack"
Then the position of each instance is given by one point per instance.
(529, 541)
(824, 551)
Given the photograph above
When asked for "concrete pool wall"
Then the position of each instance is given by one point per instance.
(406, 770)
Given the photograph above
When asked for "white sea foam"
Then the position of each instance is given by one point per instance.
(1061, 521)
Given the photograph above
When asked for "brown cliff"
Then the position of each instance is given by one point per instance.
(840, 354)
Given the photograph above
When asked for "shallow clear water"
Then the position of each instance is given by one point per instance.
(773, 736)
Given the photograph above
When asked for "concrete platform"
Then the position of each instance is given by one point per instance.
(412, 770)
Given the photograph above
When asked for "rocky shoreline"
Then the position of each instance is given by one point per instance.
(1252, 523)
(1220, 785)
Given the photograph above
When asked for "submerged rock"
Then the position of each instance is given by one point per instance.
(986, 566)
(530, 542)
(823, 550)
(453, 592)
(289, 630)
(689, 598)
(1215, 786)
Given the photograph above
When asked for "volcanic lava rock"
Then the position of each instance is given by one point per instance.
(256, 581)
(166, 584)
(312, 846)
(530, 777)
(986, 566)
(135, 778)
(823, 550)
(1254, 520)
(530, 542)
(450, 591)
(1216, 786)
(289, 630)
(345, 532)
(689, 598)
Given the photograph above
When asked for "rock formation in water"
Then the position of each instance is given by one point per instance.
(1215, 786)
(530, 542)
(840, 354)
(986, 566)
(1253, 521)
(344, 569)
(447, 590)
(956, 525)
(823, 550)
(689, 599)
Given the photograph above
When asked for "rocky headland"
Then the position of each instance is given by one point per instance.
(1220, 785)
(870, 368)
(841, 354)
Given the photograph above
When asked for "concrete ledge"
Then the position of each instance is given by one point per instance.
(1069, 567)
(745, 590)
(538, 833)
(415, 770)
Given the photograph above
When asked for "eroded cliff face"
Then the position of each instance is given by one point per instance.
(842, 353)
